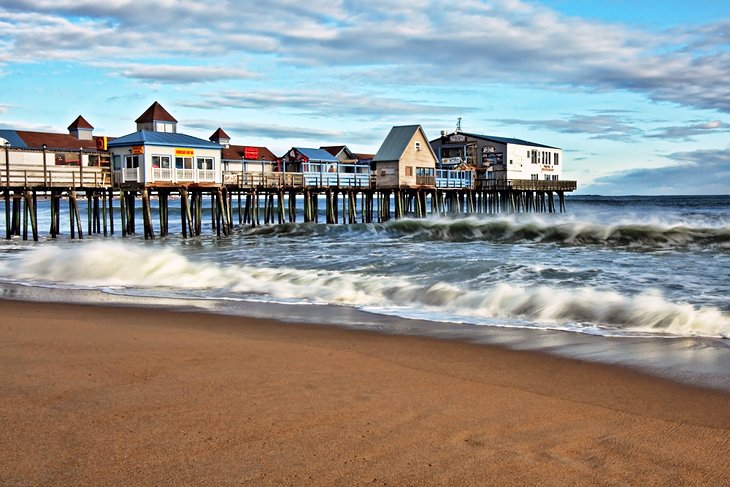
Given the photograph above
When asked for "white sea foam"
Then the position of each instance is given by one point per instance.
(103, 264)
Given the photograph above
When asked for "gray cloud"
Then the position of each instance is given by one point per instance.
(511, 41)
(267, 131)
(695, 172)
(323, 104)
(688, 132)
(603, 126)
(178, 74)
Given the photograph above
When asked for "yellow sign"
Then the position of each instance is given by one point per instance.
(184, 152)
(138, 150)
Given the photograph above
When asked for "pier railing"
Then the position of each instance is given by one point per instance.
(454, 178)
(525, 185)
(35, 176)
(280, 180)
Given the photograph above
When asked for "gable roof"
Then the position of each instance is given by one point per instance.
(505, 140)
(237, 153)
(26, 139)
(335, 150)
(155, 113)
(397, 141)
(219, 134)
(80, 123)
(316, 154)
(164, 139)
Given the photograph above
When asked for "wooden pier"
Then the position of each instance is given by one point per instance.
(248, 198)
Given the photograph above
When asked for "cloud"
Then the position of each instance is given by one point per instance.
(323, 104)
(688, 132)
(694, 172)
(30, 126)
(178, 74)
(267, 131)
(508, 41)
(602, 126)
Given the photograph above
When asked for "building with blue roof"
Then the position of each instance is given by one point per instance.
(156, 155)
(320, 168)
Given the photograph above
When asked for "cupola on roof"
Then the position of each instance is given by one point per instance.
(80, 123)
(155, 113)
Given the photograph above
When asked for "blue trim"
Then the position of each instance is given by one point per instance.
(148, 137)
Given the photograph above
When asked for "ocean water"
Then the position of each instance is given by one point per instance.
(619, 269)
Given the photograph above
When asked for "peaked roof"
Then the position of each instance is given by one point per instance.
(238, 152)
(219, 134)
(80, 123)
(26, 139)
(505, 140)
(335, 150)
(164, 139)
(397, 141)
(155, 113)
(316, 154)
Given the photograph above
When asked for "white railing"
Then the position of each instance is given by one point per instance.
(130, 174)
(185, 174)
(162, 174)
(333, 179)
(206, 174)
(447, 178)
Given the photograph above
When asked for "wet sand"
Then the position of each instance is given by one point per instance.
(130, 396)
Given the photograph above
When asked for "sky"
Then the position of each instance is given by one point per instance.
(637, 94)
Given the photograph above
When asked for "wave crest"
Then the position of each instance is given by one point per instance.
(531, 230)
(584, 309)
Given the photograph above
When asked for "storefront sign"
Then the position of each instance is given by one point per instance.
(457, 138)
(138, 150)
(251, 153)
(451, 160)
(184, 152)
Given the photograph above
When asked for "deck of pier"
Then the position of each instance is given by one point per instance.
(258, 198)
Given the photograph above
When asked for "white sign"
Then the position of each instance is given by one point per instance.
(451, 160)
(457, 138)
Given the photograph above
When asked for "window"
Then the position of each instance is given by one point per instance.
(161, 162)
(534, 177)
(556, 159)
(510, 161)
(184, 162)
(425, 171)
(409, 169)
(117, 162)
(205, 162)
(418, 146)
(131, 162)
(534, 157)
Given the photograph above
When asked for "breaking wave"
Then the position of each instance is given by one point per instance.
(104, 264)
(530, 230)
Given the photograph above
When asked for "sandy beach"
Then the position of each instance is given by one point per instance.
(129, 396)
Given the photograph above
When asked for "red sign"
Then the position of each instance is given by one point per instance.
(251, 153)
